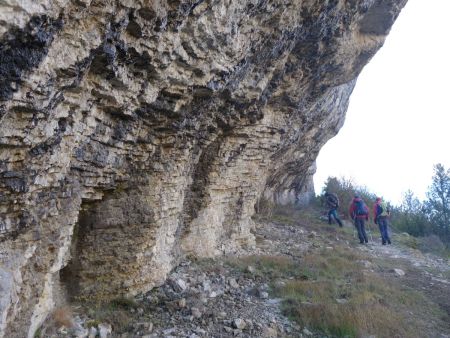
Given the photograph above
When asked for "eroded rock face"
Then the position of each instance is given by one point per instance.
(135, 132)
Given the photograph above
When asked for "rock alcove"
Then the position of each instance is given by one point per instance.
(136, 132)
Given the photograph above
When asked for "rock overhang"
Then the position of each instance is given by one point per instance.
(135, 132)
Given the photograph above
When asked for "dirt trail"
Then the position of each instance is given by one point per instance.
(424, 272)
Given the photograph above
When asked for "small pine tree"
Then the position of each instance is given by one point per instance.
(410, 216)
(438, 203)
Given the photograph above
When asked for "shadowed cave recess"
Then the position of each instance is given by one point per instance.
(134, 133)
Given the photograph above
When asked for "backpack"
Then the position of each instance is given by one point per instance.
(382, 209)
(360, 208)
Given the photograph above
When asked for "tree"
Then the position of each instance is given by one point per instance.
(438, 203)
(346, 189)
(410, 217)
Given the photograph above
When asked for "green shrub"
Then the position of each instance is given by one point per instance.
(432, 244)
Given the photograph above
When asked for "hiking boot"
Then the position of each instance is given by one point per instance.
(383, 243)
(389, 241)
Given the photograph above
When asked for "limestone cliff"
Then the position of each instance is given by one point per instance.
(134, 132)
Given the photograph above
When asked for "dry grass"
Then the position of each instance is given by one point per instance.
(267, 266)
(331, 292)
(120, 319)
(367, 311)
(60, 317)
(118, 312)
(406, 240)
(342, 300)
(63, 317)
(123, 302)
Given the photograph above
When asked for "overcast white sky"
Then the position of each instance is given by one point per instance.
(398, 122)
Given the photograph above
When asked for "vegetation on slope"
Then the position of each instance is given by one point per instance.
(339, 290)
(428, 221)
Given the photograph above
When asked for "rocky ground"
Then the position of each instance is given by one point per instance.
(230, 297)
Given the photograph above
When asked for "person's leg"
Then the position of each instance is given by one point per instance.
(386, 233)
(381, 227)
(358, 227)
(330, 213)
(363, 230)
(336, 217)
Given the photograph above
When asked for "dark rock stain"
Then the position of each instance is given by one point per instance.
(22, 50)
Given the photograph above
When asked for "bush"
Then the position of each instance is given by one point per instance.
(346, 189)
(63, 317)
(432, 244)
(408, 240)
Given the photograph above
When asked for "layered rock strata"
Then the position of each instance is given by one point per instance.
(134, 132)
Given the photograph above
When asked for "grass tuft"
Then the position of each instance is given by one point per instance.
(63, 317)
(268, 266)
(331, 292)
(123, 302)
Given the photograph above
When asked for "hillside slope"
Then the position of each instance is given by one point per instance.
(304, 278)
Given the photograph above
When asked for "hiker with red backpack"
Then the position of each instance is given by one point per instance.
(333, 204)
(359, 213)
(381, 214)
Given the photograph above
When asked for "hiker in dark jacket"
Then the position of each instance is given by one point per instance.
(380, 217)
(359, 213)
(333, 204)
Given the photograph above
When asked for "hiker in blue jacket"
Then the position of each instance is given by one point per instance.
(359, 213)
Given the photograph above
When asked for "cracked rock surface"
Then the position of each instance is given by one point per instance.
(135, 132)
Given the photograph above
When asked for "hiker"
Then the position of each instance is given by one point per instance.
(333, 204)
(359, 212)
(381, 214)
